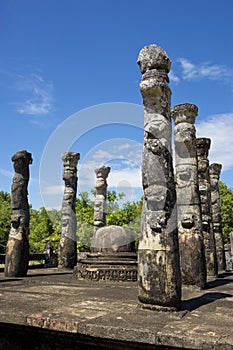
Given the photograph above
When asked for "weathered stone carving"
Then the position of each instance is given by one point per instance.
(101, 193)
(231, 242)
(107, 267)
(191, 243)
(158, 254)
(67, 251)
(215, 170)
(203, 146)
(17, 251)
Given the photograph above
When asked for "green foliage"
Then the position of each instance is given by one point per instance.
(46, 225)
(226, 198)
(5, 219)
(128, 215)
(85, 221)
(43, 229)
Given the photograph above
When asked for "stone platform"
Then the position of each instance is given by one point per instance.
(50, 309)
(120, 266)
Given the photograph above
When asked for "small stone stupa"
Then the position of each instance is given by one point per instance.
(113, 256)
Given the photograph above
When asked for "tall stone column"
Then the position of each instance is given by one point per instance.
(101, 193)
(67, 251)
(158, 255)
(17, 251)
(215, 170)
(203, 146)
(191, 242)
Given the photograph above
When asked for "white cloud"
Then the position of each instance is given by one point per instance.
(191, 71)
(125, 178)
(37, 95)
(6, 173)
(53, 190)
(219, 128)
(101, 155)
(173, 77)
(124, 158)
(124, 146)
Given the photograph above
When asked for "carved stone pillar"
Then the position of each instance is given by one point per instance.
(67, 251)
(215, 170)
(158, 255)
(231, 242)
(101, 193)
(203, 146)
(17, 251)
(191, 243)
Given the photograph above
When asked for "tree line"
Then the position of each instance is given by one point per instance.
(45, 225)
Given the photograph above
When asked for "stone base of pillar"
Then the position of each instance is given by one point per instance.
(193, 268)
(159, 279)
(67, 253)
(158, 308)
(228, 257)
(212, 269)
(107, 267)
(221, 259)
(17, 257)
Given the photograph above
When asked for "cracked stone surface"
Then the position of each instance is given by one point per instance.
(52, 300)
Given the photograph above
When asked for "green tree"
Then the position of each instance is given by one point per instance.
(129, 215)
(5, 219)
(226, 198)
(85, 221)
(41, 230)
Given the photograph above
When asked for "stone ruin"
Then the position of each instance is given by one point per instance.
(100, 198)
(228, 250)
(191, 241)
(67, 250)
(203, 146)
(17, 250)
(158, 253)
(215, 170)
(181, 238)
(113, 256)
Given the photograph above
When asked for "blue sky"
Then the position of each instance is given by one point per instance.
(59, 58)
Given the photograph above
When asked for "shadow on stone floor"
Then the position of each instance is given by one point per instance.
(10, 280)
(49, 274)
(220, 281)
(207, 298)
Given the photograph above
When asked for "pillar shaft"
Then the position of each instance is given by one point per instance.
(203, 146)
(191, 243)
(17, 251)
(215, 170)
(101, 194)
(67, 251)
(158, 254)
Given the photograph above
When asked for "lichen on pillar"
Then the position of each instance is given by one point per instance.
(67, 250)
(191, 242)
(158, 254)
(215, 170)
(203, 146)
(100, 198)
(17, 250)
